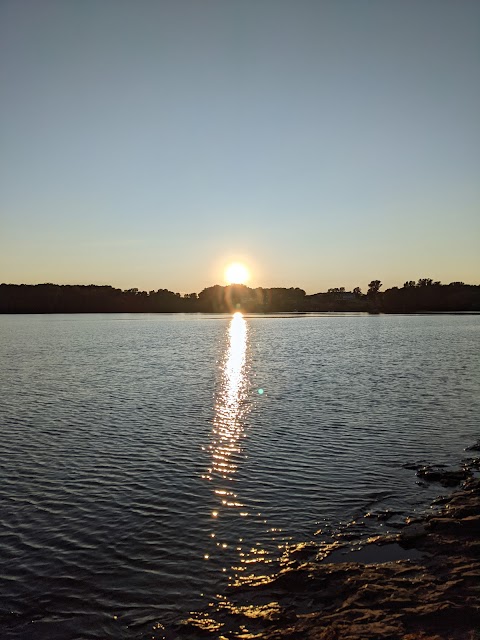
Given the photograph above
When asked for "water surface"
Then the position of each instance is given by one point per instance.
(148, 461)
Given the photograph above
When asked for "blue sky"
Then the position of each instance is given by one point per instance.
(324, 143)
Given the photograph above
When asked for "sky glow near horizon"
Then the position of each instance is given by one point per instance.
(320, 143)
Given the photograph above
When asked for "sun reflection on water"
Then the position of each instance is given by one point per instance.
(230, 407)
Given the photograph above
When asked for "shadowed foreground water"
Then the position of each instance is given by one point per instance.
(148, 461)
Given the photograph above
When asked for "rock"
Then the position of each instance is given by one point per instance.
(302, 552)
(431, 597)
(472, 463)
(474, 447)
(412, 531)
(445, 478)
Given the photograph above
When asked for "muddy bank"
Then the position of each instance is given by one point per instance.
(422, 583)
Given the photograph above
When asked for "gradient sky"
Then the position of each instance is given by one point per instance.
(326, 143)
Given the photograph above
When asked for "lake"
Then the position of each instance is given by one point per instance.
(149, 461)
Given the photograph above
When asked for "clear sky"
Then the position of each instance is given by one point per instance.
(324, 142)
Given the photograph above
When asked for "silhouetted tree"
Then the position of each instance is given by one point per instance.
(424, 282)
(427, 295)
(374, 287)
(373, 296)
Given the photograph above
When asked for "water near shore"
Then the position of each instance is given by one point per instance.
(149, 461)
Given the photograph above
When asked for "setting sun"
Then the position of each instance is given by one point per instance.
(236, 273)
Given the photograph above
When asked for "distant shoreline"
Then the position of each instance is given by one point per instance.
(425, 296)
(252, 314)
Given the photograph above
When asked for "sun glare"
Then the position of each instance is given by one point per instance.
(236, 273)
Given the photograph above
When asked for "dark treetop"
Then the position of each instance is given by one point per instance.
(424, 295)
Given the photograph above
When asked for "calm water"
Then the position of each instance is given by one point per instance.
(147, 461)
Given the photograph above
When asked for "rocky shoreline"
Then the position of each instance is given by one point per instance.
(422, 583)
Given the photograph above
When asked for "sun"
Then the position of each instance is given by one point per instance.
(236, 273)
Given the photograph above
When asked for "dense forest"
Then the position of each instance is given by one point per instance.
(422, 296)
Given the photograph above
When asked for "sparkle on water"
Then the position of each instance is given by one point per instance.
(229, 410)
(118, 523)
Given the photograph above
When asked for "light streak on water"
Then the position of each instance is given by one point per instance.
(230, 408)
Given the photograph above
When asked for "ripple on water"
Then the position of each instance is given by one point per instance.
(141, 468)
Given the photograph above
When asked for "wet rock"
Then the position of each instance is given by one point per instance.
(472, 463)
(444, 477)
(431, 597)
(474, 447)
(301, 552)
(326, 549)
(413, 531)
(467, 526)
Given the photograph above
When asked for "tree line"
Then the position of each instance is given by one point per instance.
(425, 295)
